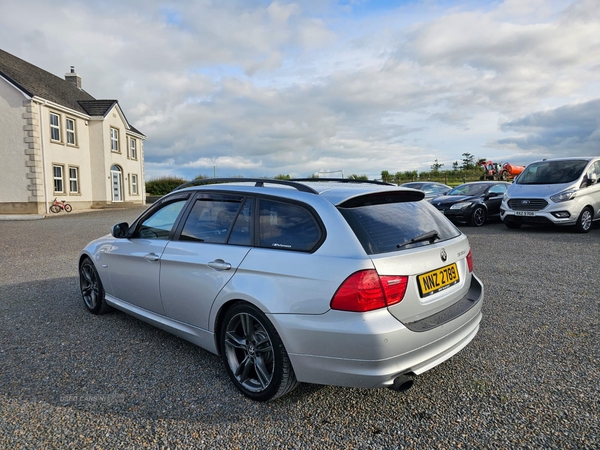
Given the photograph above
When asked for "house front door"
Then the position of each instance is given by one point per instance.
(117, 184)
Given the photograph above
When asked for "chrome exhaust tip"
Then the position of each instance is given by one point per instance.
(402, 383)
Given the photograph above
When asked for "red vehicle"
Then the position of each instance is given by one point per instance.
(495, 171)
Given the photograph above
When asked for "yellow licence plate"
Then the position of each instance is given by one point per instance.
(437, 280)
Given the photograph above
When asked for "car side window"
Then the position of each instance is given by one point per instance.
(286, 226)
(593, 173)
(211, 219)
(160, 223)
(498, 189)
(242, 231)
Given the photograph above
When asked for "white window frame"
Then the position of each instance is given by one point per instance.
(74, 180)
(132, 148)
(55, 127)
(134, 184)
(71, 132)
(114, 140)
(59, 180)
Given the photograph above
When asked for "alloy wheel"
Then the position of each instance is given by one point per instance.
(249, 352)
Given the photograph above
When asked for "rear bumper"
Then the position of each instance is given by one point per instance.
(370, 350)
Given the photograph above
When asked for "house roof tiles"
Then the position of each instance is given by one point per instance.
(34, 81)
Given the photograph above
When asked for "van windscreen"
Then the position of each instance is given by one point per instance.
(552, 172)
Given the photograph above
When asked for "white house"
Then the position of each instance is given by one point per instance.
(57, 141)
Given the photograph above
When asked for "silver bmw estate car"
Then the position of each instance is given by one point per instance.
(335, 282)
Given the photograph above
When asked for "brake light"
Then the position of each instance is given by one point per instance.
(366, 290)
(470, 260)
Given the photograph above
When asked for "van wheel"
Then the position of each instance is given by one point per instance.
(584, 222)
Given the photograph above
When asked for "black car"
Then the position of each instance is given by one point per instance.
(472, 203)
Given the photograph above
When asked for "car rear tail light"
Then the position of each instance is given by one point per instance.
(366, 290)
(470, 260)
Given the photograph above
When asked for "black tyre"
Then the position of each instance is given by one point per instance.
(254, 355)
(584, 221)
(512, 225)
(92, 290)
(478, 216)
(68, 208)
(55, 208)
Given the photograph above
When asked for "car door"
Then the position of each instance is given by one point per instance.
(210, 245)
(134, 262)
(592, 181)
(494, 199)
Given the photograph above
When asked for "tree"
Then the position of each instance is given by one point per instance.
(410, 175)
(436, 166)
(282, 177)
(468, 161)
(455, 166)
(385, 176)
(163, 185)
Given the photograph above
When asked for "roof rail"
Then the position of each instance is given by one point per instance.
(260, 182)
(344, 180)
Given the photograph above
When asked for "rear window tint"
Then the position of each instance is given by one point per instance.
(211, 219)
(284, 226)
(382, 228)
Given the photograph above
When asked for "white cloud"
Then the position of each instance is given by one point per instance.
(258, 89)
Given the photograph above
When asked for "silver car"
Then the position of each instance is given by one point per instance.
(330, 282)
(561, 191)
(432, 189)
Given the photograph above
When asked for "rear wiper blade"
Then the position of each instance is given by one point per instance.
(430, 236)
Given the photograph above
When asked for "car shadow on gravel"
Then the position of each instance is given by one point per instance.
(113, 363)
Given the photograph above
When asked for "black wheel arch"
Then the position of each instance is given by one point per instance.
(219, 321)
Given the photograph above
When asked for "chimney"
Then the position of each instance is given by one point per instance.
(72, 77)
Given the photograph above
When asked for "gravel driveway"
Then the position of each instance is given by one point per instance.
(69, 379)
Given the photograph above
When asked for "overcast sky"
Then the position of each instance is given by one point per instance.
(261, 88)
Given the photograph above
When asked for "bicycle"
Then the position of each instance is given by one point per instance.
(58, 206)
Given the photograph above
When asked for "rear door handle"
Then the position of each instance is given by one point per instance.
(219, 264)
(151, 257)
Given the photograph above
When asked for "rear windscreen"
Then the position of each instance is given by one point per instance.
(393, 226)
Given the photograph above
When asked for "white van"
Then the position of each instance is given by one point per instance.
(561, 191)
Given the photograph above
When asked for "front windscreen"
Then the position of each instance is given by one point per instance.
(552, 172)
(469, 189)
(392, 226)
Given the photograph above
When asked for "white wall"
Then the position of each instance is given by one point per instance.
(128, 166)
(67, 155)
(13, 181)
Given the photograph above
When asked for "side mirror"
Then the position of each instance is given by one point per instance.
(592, 179)
(120, 230)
